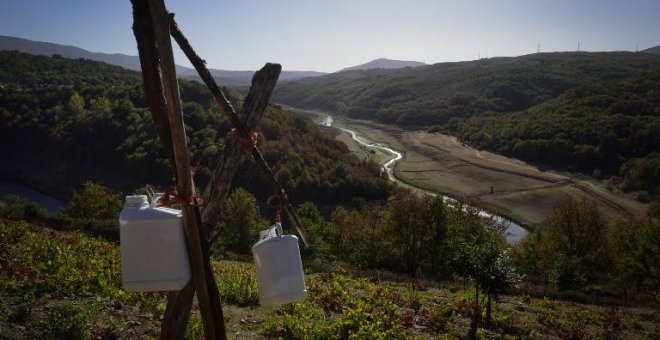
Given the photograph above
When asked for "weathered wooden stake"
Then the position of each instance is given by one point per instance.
(202, 275)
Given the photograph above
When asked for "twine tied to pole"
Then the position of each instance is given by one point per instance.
(171, 197)
(274, 201)
(246, 144)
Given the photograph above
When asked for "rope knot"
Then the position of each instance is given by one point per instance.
(246, 143)
(172, 197)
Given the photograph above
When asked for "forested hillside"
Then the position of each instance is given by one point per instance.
(433, 94)
(585, 112)
(593, 128)
(82, 119)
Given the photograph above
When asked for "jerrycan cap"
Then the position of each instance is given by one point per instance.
(136, 201)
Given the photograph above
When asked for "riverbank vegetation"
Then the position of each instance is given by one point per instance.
(414, 267)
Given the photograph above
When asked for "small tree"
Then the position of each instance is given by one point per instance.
(570, 249)
(638, 255)
(489, 268)
(577, 235)
(409, 223)
(310, 217)
(77, 105)
(535, 257)
(94, 201)
(438, 235)
(241, 221)
(499, 276)
(15, 208)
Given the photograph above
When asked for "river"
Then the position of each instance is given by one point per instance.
(11, 188)
(514, 232)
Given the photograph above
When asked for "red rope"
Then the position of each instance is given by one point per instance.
(247, 144)
(274, 201)
(172, 197)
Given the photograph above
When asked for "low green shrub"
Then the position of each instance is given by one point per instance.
(237, 283)
(73, 263)
(107, 229)
(297, 321)
(15, 208)
(342, 307)
(194, 328)
(60, 262)
(63, 322)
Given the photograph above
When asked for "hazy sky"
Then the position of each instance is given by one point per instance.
(327, 35)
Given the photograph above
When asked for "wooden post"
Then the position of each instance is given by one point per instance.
(263, 84)
(150, 64)
(202, 275)
(179, 304)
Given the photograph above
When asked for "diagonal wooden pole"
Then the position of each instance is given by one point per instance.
(228, 111)
(217, 190)
(202, 275)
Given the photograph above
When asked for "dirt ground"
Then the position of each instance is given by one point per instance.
(441, 163)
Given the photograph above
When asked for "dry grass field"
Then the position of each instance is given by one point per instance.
(441, 163)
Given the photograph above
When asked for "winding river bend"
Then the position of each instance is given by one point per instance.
(514, 232)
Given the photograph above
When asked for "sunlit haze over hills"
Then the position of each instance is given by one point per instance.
(332, 35)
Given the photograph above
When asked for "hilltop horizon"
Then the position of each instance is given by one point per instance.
(131, 62)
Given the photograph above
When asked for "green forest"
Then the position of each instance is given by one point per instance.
(594, 113)
(92, 116)
(604, 128)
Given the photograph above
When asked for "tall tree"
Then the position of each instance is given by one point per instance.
(438, 217)
(241, 223)
(409, 223)
(578, 234)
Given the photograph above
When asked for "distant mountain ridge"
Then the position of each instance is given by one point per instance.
(654, 49)
(71, 52)
(433, 94)
(224, 77)
(383, 63)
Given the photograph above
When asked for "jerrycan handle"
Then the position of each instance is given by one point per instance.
(274, 231)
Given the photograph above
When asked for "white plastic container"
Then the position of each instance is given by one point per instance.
(279, 268)
(153, 248)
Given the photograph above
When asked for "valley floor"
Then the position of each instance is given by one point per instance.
(443, 164)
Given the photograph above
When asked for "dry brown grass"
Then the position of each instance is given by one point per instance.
(442, 163)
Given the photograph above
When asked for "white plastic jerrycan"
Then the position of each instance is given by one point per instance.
(153, 248)
(279, 268)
